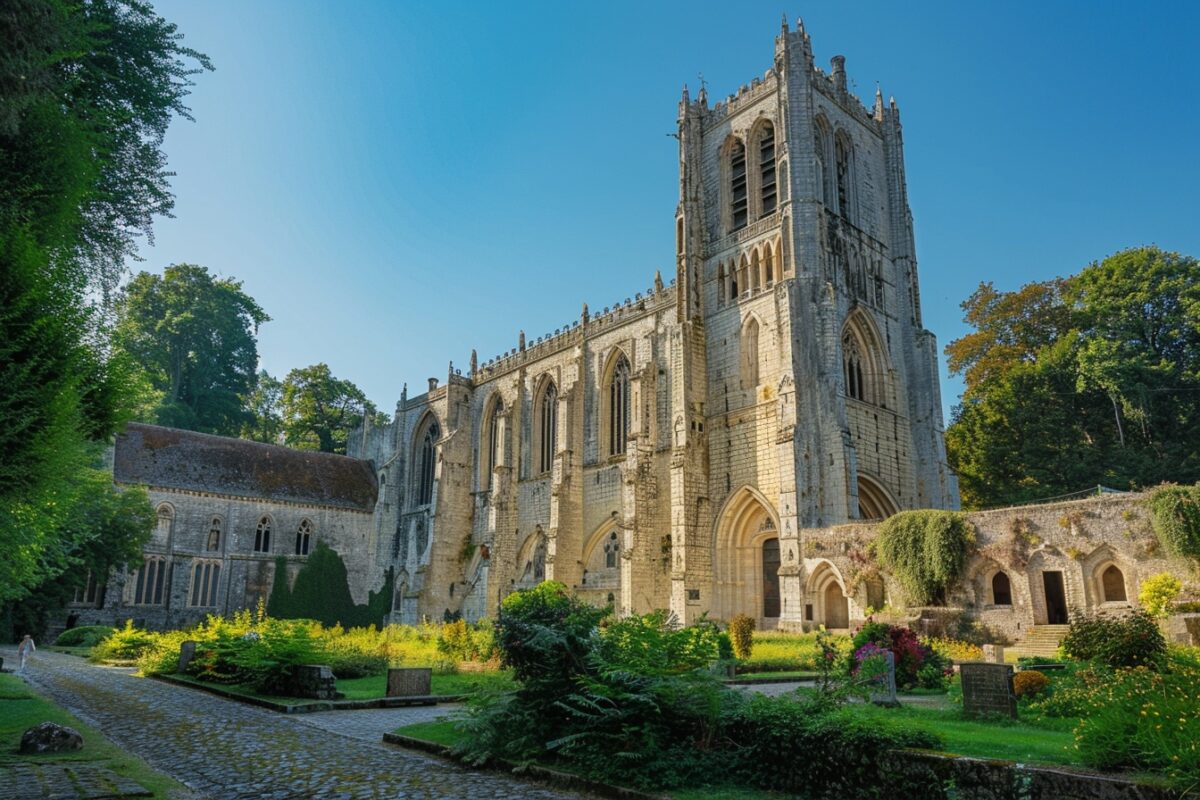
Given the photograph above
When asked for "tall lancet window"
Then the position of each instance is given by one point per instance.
(494, 442)
(738, 196)
(842, 148)
(766, 166)
(618, 408)
(548, 422)
(425, 465)
(852, 361)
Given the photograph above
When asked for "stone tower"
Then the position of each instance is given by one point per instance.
(814, 383)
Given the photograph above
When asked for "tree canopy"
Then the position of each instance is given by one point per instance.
(193, 336)
(87, 91)
(1070, 383)
(319, 409)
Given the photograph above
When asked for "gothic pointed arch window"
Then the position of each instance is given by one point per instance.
(147, 584)
(733, 282)
(852, 365)
(426, 460)
(1112, 581)
(864, 362)
(1001, 589)
(612, 549)
(769, 195)
(493, 442)
(547, 422)
(749, 353)
(304, 535)
(768, 265)
(844, 155)
(262, 535)
(722, 290)
(616, 407)
(822, 151)
(205, 577)
(738, 193)
(214, 535)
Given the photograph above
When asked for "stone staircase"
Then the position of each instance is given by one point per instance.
(1041, 640)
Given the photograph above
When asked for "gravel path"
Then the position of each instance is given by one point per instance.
(225, 749)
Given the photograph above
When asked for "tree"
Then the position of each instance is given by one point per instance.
(1092, 379)
(87, 91)
(264, 406)
(194, 337)
(319, 410)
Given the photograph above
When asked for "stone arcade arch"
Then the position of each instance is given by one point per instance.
(874, 500)
(827, 596)
(746, 550)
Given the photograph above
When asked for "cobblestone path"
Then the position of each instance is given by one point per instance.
(225, 749)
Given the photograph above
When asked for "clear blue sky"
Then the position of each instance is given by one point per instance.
(398, 182)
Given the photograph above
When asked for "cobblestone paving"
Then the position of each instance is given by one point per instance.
(225, 749)
(369, 725)
(65, 782)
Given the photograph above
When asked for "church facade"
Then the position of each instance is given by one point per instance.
(672, 451)
(667, 452)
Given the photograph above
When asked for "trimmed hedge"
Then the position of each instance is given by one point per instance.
(84, 636)
(322, 592)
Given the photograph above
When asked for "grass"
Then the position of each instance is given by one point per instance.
(784, 675)
(21, 708)
(1041, 742)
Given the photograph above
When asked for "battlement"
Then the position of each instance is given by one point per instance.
(573, 333)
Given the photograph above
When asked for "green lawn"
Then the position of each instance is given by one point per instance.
(21, 708)
(781, 675)
(1024, 741)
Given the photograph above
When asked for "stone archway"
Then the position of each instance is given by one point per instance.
(746, 560)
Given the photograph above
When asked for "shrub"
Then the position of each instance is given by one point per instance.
(955, 649)
(917, 664)
(741, 634)
(1132, 641)
(1158, 593)
(84, 636)
(1029, 682)
(1145, 720)
(124, 644)
(1175, 519)
(1187, 607)
(796, 746)
(654, 644)
(464, 642)
(926, 551)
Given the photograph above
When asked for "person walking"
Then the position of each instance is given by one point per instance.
(23, 651)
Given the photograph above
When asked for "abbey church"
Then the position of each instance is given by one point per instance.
(663, 453)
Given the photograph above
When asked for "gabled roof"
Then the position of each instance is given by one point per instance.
(170, 458)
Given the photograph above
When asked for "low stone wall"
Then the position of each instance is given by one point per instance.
(945, 776)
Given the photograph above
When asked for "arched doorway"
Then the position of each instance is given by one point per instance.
(837, 609)
(874, 501)
(746, 560)
(827, 592)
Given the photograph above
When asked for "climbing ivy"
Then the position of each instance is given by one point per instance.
(926, 551)
(1175, 518)
(321, 591)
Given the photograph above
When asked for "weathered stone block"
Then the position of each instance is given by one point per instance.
(50, 738)
(988, 689)
(313, 681)
(187, 651)
(409, 682)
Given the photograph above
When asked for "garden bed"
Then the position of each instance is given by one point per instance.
(302, 705)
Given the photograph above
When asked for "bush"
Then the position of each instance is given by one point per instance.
(1132, 641)
(917, 664)
(1029, 682)
(926, 551)
(461, 641)
(1145, 720)
(84, 636)
(797, 746)
(124, 644)
(1175, 519)
(1158, 593)
(955, 649)
(741, 635)
(654, 644)
(776, 651)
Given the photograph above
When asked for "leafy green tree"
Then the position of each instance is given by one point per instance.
(194, 336)
(1092, 379)
(264, 406)
(319, 410)
(87, 91)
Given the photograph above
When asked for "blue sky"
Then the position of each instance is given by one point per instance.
(399, 182)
